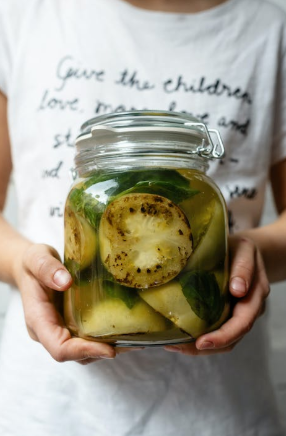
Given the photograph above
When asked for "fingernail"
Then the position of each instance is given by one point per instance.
(61, 277)
(238, 285)
(207, 345)
(106, 356)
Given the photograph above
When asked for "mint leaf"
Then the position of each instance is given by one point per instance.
(91, 199)
(127, 295)
(80, 277)
(127, 179)
(203, 295)
(166, 189)
(72, 266)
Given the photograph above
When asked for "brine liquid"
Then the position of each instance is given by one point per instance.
(97, 307)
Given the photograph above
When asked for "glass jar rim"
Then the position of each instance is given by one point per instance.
(103, 131)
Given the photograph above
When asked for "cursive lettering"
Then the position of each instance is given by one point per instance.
(63, 140)
(203, 117)
(102, 108)
(131, 80)
(56, 211)
(66, 71)
(202, 86)
(54, 172)
(235, 125)
(238, 191)
(52, 103)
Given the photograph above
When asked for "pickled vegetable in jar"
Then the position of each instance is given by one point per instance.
(146, 231)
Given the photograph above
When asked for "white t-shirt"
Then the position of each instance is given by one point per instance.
(62, 63)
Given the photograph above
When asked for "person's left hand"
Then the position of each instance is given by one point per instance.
(249, 286)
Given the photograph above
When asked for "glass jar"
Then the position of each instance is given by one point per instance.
(145, 231)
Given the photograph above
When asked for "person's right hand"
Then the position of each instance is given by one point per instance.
(39, 276)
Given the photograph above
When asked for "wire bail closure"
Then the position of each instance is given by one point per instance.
(211, 151)
(207, 149)
(148, 133)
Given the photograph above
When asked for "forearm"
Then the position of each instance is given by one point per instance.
(12, 247)
(271, 241)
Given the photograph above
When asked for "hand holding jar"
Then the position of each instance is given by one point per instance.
(146, 246)
(146, 235)
(249, 288)
(41, 276)
(145, 232)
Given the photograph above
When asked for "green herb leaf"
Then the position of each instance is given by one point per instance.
(203, 294)
(87, 205)
(166, 189)
(88, 199)
(73, 267)
(79, 276)
(127, 179)
(127, 295)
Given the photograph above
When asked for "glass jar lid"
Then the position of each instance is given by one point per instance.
(137, 131)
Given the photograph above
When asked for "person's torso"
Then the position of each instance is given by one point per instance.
(74, 63)
(71, 64)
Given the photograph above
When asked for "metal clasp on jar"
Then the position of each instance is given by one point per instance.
(211, 150)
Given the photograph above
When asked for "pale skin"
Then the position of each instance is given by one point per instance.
(257, 258)
(180, 6)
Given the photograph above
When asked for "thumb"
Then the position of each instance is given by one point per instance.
(43, 262)
(243, 254)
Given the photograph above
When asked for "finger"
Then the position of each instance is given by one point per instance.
(263, 276)
(243, 253)
(46, 326)
(228, 334)
(43, 263)
(245, 313)
(63, 347)
(88, 361)
(191, 350)
(123, 350)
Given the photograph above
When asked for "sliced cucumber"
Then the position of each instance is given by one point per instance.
(199, 212)
(211, 249)
(145, 240)
(170, 301)
(80, 240)
(112, 317)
